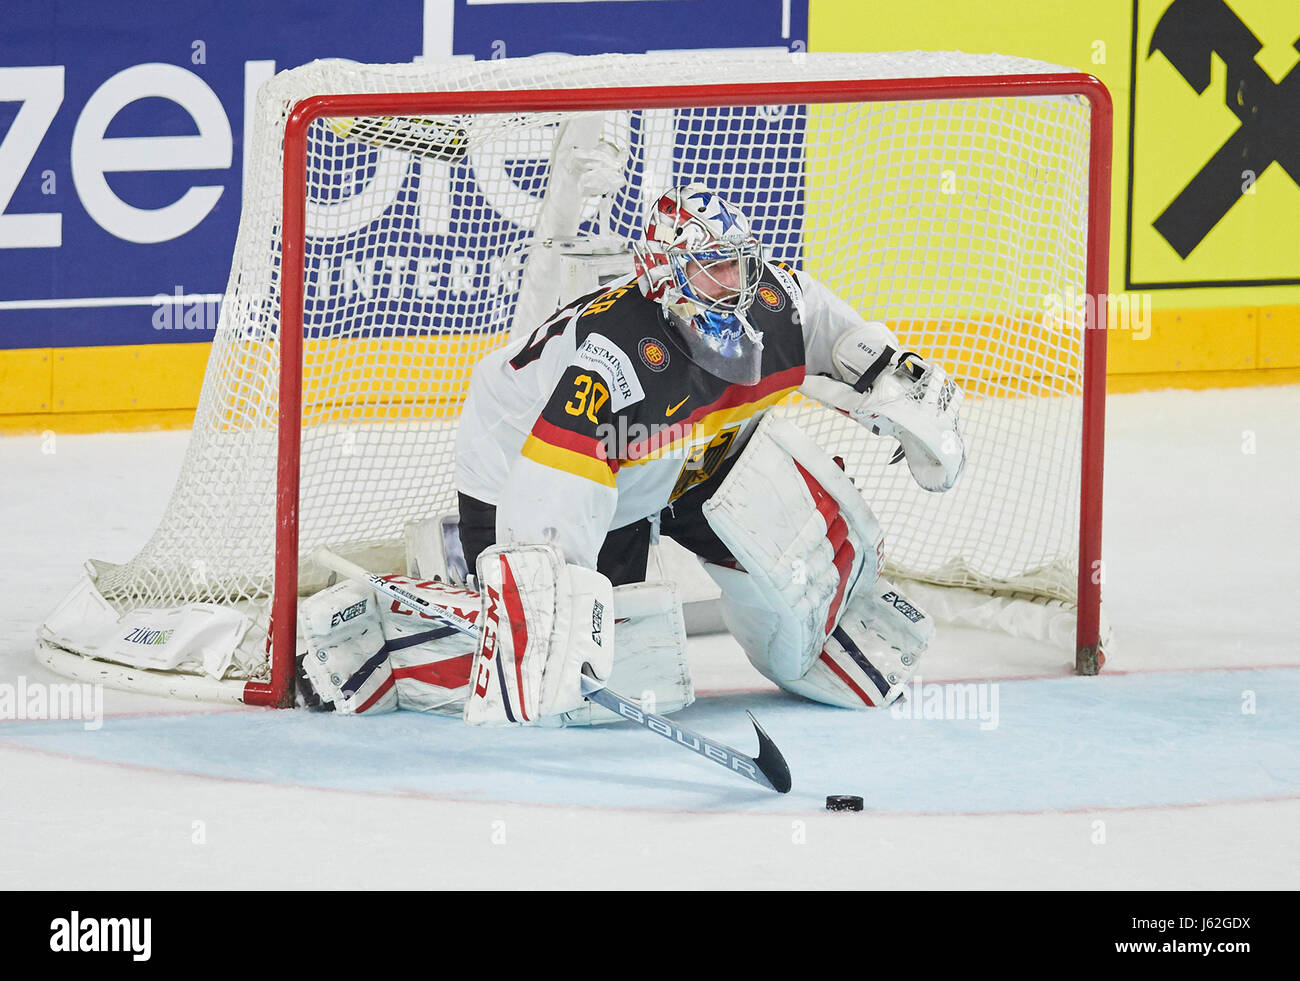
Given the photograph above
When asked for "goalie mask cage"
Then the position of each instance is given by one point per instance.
(396, 227)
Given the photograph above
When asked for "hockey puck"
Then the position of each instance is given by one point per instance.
(843, 802)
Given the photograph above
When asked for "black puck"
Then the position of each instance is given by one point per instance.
(843, 802)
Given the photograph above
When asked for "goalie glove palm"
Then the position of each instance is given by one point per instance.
(918, 405)
(909, 400)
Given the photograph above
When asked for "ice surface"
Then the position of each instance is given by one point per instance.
(1178, 767)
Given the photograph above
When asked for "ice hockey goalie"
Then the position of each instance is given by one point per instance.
(642, 410)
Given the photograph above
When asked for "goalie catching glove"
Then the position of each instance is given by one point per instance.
(900, 396)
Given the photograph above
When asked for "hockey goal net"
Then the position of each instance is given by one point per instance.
(399, 222)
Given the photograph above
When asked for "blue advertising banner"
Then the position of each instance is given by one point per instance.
(465, 225)
(122, 127)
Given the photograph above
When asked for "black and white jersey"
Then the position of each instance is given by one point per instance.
(599, 419)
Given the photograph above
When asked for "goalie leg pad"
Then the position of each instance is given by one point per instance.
(431, 661)
(650, 660)
(346, 663)
(804, 535)
(871, 654)
(542, 621)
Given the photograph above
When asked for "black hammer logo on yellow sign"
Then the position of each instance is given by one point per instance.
(1214, 190)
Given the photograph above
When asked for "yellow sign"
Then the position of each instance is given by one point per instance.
(1214, 190)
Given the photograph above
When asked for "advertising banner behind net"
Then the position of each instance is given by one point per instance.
(123, 137)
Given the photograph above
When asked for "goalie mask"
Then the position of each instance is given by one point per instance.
(701, 263)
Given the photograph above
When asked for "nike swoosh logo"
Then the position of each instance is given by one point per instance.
(677, 406)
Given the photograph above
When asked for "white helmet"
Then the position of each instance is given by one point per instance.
(702, 264)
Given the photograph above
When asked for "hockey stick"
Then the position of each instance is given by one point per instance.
(767, 769)
(331, 560)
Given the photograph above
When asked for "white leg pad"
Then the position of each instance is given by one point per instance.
(650, 657)
(542, 621)
(431, 661)
(802, 531)
(346, 659)
(866, 661)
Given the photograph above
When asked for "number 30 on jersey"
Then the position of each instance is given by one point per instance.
(587, 399)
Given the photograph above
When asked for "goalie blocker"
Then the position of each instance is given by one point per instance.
(545, 622)
(806, 601)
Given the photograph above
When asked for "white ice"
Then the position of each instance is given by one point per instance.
(1178, 767)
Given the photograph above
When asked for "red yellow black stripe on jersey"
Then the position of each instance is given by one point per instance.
(586, 456)
(575, 453)
(677, 406)
(736, 404)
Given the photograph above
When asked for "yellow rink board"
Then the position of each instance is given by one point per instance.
(157, 386)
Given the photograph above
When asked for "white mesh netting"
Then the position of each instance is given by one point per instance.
(959, 222)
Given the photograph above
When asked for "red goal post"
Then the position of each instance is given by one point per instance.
(278, 689)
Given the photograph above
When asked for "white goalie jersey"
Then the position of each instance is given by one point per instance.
(599, 418)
